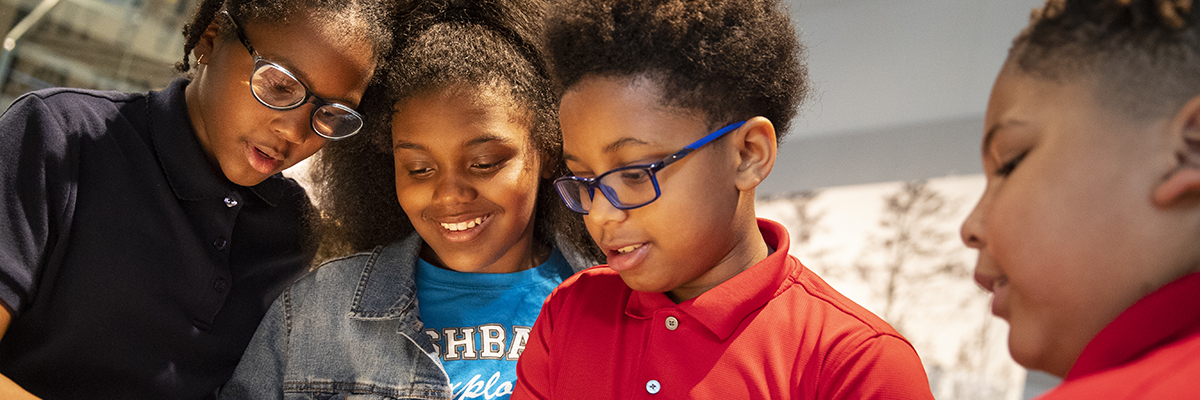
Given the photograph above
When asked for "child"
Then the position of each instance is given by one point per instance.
(700, 299)
(145, 234)
(1088, 229)
(454, 273)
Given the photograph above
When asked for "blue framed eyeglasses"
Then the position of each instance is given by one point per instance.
(627, 187)
(278, 89)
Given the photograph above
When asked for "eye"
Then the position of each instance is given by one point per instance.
(420, 173)
(487, 165)
(1009, 166)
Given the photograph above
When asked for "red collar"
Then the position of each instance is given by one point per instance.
(722, 308)
(1169, 314)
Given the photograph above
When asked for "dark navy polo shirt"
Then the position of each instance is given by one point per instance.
(132, 266)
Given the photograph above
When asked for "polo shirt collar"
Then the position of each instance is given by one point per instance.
(191, 175)
(722, 308)
(1162, 317)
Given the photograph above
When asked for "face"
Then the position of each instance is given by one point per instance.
(668, 245)
(247, 140)
(1067, 234)
(467, 175)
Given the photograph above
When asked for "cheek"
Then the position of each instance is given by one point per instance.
(411, 196)
(306, 150)
(515, 189)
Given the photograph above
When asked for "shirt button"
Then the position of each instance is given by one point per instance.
(653, 387)
(220, 243)
(220, 285)
(672, 323)
(230, 202)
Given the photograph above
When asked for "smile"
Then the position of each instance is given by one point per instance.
(462, 226)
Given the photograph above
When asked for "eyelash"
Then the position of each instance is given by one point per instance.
(417, 172)
(483, 167)
(488, 166)
(1009, 166)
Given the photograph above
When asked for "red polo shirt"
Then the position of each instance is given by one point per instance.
(774, 331)
(1150, 351)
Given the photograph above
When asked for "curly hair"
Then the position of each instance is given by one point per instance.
(485, 45)
(367, 19)
(731, 60)
(1143, 55)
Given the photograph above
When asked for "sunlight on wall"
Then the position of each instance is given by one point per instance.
(894, 248)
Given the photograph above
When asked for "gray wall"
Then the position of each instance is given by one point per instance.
(900, 89)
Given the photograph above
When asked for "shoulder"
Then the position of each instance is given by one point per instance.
(1168, 372)
(75, 103)
(60, 114)
(369, 279)
(598, 279)
(586, 288)
(337, 273)
(834, 309)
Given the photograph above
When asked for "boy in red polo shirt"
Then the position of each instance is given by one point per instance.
(669, 119)
(1089, 229)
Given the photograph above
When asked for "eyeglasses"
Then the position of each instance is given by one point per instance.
(278, 89)
(626, 187)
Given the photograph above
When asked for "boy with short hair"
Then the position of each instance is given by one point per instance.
(1088, 229)
(700, 299)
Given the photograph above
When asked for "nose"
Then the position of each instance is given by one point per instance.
(294, 126)
(603, 211)
(971, 231)
(452, 188)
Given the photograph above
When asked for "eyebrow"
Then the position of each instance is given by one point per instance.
(485, 138)
(302, 77)
(611, 148)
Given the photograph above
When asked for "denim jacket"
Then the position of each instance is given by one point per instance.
(349, 329)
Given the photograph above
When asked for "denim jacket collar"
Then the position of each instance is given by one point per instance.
(388, 293)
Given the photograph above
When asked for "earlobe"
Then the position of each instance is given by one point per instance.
(757, 148)
(1184, 180)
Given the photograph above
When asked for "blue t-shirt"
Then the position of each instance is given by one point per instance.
(479, 323)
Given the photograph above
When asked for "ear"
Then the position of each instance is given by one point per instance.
(204, 47)
(756, 147)
(1184, 181)
(549, 164)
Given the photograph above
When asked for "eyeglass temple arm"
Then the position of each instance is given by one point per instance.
(241, 36)
(699, 143)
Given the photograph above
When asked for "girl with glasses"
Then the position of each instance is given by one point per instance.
(446, 211)
(145, 234)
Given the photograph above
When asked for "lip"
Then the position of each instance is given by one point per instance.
(472, 226)
(263, 159)
(621, 262)
(1000, 298)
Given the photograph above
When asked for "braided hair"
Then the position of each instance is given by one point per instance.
(483, 46)
(1143, 55)
(731, 60)
(367, 19)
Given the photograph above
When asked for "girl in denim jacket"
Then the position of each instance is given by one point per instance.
(477, 237)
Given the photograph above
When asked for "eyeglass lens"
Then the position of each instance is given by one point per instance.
(278, 89)
(625, 188)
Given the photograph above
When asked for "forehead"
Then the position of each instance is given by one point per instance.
(600, 112)
(333, 60)
(456, 118)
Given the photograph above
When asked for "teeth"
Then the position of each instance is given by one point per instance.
(627, 249)
(462, 226)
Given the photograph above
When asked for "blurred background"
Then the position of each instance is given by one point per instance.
(876, 174)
